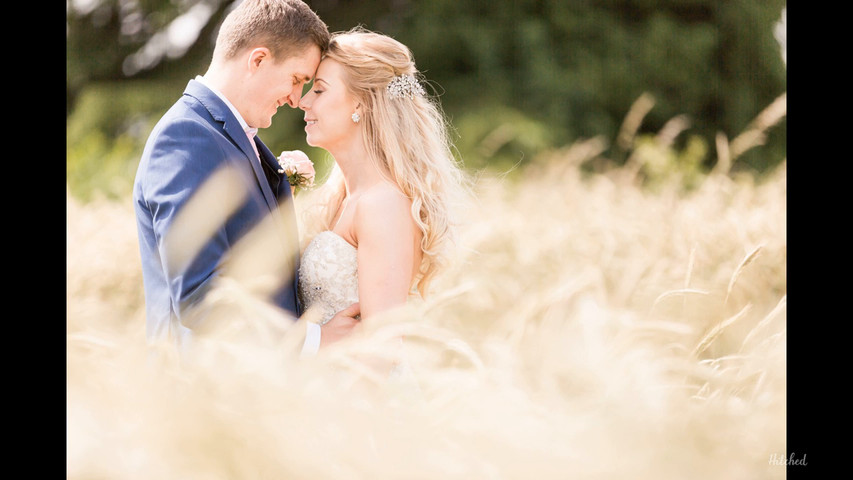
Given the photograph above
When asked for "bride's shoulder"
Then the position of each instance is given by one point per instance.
(384, 195)
(382, 203)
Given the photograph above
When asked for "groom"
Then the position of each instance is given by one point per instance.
(265, 52)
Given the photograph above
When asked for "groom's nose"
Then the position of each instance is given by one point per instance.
(293, 100)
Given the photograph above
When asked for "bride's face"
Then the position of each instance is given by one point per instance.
(328, 109)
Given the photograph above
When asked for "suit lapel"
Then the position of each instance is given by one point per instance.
(271, 167)
(280, 187)
(235, 131)
(232, 128)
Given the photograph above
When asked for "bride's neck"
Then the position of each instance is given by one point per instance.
(358, 171)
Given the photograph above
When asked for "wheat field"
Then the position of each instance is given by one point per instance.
(588, 327)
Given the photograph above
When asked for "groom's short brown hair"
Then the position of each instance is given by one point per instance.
(286, 27)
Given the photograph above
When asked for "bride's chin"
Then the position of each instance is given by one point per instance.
(313, 141)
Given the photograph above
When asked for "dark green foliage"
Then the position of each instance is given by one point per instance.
(516, 77)
(577, 66)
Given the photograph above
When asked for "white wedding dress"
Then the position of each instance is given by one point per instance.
(328, 275)
(328, 283)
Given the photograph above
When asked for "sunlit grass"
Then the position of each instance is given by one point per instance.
(589, 327)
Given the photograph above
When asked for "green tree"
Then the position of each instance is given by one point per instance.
(516, 77)
(577, 66)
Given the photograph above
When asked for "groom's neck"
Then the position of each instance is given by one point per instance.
(221, 79)
(227, 81)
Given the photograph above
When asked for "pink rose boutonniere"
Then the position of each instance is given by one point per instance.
(298, 168)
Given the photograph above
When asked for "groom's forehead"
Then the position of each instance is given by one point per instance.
(299, 71)
(305, 71)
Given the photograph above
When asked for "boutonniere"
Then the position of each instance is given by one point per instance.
(298, 168)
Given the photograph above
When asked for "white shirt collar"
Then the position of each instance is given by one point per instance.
(246, 128)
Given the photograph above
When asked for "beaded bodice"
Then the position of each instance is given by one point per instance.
(328, 275)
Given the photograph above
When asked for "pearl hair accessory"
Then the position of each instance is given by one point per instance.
(355, 117)
(405, 86)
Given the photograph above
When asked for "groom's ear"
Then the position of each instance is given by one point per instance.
(257, 56)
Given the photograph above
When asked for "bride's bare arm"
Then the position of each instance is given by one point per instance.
(388, 248)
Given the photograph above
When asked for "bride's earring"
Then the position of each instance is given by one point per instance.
(355, 117)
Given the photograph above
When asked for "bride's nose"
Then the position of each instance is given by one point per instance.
(303, 103)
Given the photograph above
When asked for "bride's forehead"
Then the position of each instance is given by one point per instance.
(330, 66)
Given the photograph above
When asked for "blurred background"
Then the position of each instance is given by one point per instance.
(516, 77)
(617, 307)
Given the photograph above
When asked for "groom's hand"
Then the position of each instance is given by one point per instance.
(340, 325)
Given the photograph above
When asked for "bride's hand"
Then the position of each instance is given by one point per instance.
(341, 325)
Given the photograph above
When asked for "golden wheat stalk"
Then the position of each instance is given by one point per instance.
(756, 132)
(628, 131)
(672, 129)
(724, 158)
(633, 119)
(682, 291)
(715, 332)
(496, 139)
(564, 161)
(691, 260)
(217, 198)
(781, 306)
(688, 275)
(739, 270)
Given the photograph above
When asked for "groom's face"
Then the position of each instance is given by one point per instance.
(278, 83)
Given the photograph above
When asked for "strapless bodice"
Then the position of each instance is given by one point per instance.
(328, 275)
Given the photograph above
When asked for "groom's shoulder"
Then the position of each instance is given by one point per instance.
(181, 132)
(179, 121)
(190, 104)
(187, 111)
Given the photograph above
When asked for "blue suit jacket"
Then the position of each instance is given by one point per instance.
(196, 137)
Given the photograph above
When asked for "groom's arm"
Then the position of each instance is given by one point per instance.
(183, 157)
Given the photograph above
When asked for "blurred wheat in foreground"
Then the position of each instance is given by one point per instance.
(589, 328)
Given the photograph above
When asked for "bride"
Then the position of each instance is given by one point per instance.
(383, 221)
